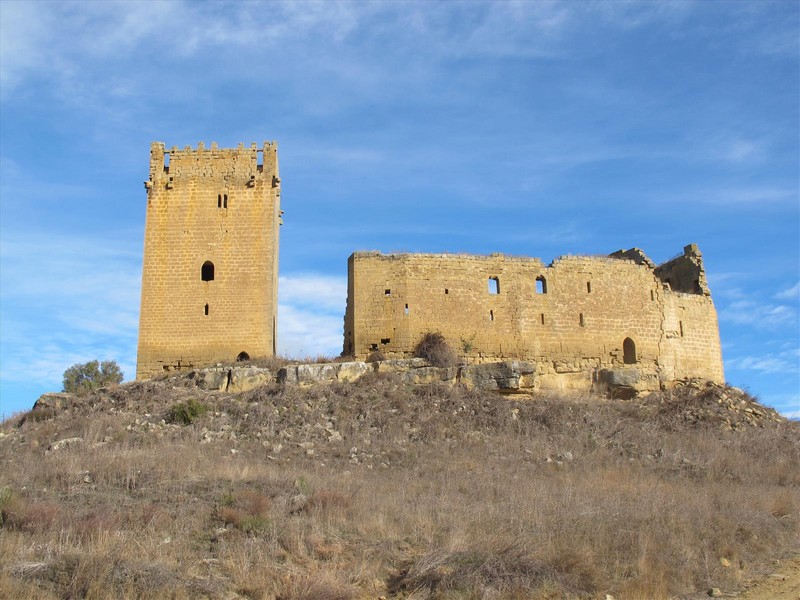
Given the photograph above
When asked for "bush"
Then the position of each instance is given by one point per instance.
(185, 413)
(435, 349)
(84, 378)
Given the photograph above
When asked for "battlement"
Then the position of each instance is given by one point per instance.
(240, 166)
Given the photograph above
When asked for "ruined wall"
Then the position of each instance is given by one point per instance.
(209, 206)
(572, 322)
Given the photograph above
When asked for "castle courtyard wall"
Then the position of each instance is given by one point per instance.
(571, 325)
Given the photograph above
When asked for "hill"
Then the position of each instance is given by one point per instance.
(379, 488)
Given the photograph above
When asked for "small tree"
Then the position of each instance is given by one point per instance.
(83, 378)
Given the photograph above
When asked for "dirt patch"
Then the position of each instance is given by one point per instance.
(783, 584)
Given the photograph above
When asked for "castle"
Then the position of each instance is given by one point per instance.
(210, 269)
(209, 290)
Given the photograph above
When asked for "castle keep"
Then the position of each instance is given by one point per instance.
(575, 319)
(210, 272)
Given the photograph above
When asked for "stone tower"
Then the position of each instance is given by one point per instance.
(210, 272)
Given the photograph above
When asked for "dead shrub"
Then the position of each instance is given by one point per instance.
(327, 501)
(30, 517)
(318, 587)
(247, 511)
(434, 348)
(375, 356)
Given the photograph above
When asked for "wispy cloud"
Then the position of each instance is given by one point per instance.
(792, 293)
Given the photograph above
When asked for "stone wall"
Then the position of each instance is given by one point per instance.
(209, 278)
(570, 318)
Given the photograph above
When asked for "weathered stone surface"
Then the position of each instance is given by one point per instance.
(211, 378)
(248, 378)
(55, 400)
(627, 377)
(400, 365)
(505, 376)
(424, 375)
(350, 371)
(316, 373)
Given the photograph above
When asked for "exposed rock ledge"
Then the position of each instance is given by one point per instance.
(508, 376)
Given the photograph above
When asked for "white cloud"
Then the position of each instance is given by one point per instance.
(791, 293)
(764, 364)
(304, 332)
(321, 293)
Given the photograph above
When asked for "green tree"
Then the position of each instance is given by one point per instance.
(83, 378)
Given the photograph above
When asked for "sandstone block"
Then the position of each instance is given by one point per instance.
(248, 378)
(55, 400)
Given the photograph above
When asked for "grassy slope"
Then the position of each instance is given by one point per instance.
(380, 489)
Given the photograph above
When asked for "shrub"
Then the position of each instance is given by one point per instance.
(435, 349)
(84, 378)
(187, 412)
(375, 356)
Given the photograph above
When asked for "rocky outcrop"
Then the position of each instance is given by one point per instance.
(508, 376)
(55, 401)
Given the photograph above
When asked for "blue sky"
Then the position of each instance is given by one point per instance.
(529, 128)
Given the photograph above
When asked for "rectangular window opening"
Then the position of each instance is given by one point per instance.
(541, 285)
(373, 346)
(205, 310)
(652, 296)
(588, 287)
(387, 292)
(494, 285)
(219, 200)
(491, 315)
(406, 311)
(582, 321)
(166, 162)
(446, 291)
(225, 201)
(385, 340)
(260, 160)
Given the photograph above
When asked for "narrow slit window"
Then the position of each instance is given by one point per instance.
(541, 285)
(260, 160)
(582, 321)
(494, 285)
(652, 296)
(166, 162)
(406, 311)
(225, 201)
(491, 315)
(542, 318)
(446, 291)
(588, 287)
(205, 310)
(219, 200)
(207, 271)
(680, 326)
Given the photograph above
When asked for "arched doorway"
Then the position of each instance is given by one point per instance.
(629, 351)
(242, 356)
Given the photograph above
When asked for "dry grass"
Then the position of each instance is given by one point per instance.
(431, 492)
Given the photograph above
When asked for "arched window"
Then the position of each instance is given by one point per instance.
(629, 351)
(242, 356)
(541, 285)
(207, 271)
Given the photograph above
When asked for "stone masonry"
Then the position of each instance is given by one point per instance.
(581, 320)
(210, 272)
